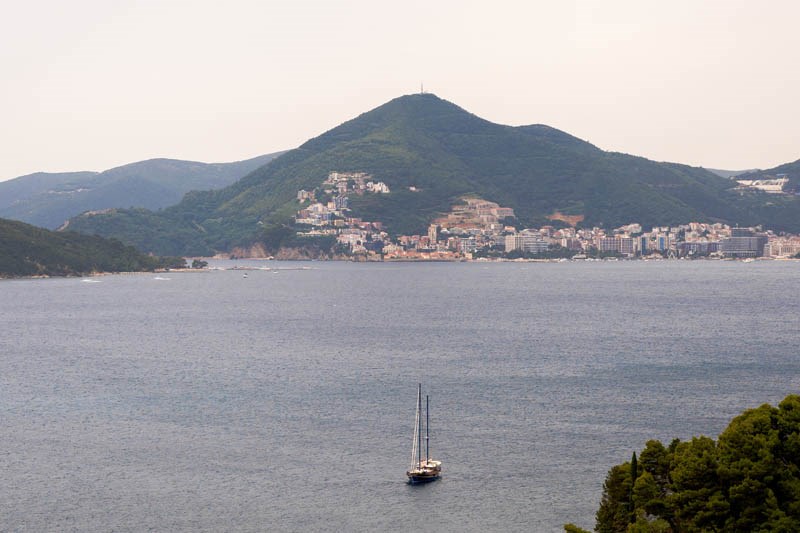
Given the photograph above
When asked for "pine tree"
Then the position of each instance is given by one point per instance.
(634, 475)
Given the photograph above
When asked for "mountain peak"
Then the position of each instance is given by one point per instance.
(421, 103)
(414, 113)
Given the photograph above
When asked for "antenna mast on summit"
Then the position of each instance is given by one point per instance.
(421, 89)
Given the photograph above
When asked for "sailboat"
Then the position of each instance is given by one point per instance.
(422, 470)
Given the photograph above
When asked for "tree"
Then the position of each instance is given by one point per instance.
(748, 480)
(572, 528)
(697, 500)
(613, 516)
(634, 475)
(759, 464)
(648, 524)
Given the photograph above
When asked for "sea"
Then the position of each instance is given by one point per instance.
(283, 398)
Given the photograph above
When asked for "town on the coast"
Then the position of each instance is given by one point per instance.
(478, 229)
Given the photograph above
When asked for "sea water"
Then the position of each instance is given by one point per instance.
(284, 401)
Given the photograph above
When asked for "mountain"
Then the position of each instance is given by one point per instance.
(49, 199)
(27, 250)
(13, 190)
(791, 170)
(444, 153)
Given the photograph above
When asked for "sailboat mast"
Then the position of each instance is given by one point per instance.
(419, 428)
(415, 438)
(427, 429)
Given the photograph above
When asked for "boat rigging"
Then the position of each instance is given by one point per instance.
(422, 471)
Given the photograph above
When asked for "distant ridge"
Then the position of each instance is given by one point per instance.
(49, 199)
(430, 152)
(731, 173)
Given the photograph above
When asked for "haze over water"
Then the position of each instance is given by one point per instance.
(285, 401)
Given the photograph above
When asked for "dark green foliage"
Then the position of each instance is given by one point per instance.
(446, 153)
(31, 251)
(649, 491)
(614, 512)
(634, 476)
(696, 499)
(275, 237)
(748, 480)
(199, 263)
(760, 464)
(147, 231)
(648, 524)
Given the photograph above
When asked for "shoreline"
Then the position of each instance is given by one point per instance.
(4, 277)
(387, 260)
(497, 260)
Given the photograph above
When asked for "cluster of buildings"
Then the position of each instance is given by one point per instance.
(479, 228)
(686, 240)
(355, 182)
(695, 239)
(332, 206)
(767, 184)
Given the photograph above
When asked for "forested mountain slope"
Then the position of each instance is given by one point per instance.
(27, 250)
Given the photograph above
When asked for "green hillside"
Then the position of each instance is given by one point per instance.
(48, 200)
(445, 152)
(27, 250)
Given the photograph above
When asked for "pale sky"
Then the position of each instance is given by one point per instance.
(92, 84)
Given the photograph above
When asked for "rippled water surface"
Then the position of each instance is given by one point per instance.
(285, 400)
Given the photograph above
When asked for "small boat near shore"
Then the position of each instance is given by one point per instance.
(422, 470)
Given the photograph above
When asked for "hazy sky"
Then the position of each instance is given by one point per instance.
(92, 84)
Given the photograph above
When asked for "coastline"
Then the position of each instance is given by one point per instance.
(4, 277)
(487, 260)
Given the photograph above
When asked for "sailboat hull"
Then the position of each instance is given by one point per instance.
(416, 479)
(428, 471)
